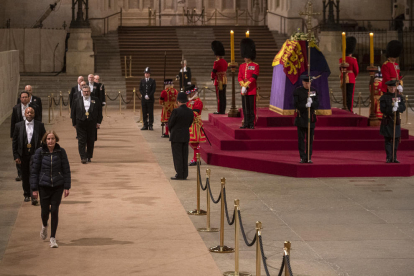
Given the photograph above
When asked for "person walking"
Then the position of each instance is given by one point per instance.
(50, 178)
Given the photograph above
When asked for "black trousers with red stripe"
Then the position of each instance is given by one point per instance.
(249, 110)
(221, 99)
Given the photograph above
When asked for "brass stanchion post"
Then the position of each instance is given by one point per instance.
(222, 248)
(198, 211)
(120, 101)
(233, 112)
(359, 102)
(133, 92)
(130, 66)
(48, 98)
(61, 103)
(406, 102)
(208, 229)
(258, 251)
(286, 251)
(236, 271)
(372, 120)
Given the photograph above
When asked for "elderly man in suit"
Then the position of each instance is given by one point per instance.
(94, 87)
(147, 89)
(27, 138)
(86, 118)
(76, 91)
(179, 124)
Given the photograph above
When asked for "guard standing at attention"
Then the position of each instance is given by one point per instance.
(303, 100)
(248, 74)
(197, 135)
(351, 72)
(168, 100)
(219, 76)
(87, 119)
(390, 69)
(390, 103)
(147, 89)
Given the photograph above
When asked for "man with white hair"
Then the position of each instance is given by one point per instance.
(94, 87)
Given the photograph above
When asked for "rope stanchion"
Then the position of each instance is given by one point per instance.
(106, 106)
(258, 252)
(243, 232)
(61, 103)
(406, 111)
(211, 194)
(236, 271)
(208, 228)
(198, 211)
(226, 209)
(120, 102)
(130, 66)
(222, 248)
(134, 94)
(286, 250)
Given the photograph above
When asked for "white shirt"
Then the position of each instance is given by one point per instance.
(87, 103)
(146, 80)
(29, 130)
(24, 110)
(91, 86)
(185, 69)
(79, 88)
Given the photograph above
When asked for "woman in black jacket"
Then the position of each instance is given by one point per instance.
(50, 177)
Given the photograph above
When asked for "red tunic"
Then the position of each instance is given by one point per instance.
(196, 134)
(167, 100)
(390, 71)
(352, 70)
(248, 73)
(219, 71)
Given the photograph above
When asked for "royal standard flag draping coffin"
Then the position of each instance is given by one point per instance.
(288, 65)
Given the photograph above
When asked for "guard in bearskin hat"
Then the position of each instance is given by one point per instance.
(196, 130)
(390, 69)
(219, 76)
(167, 100)
(248, 74)
(351, 72)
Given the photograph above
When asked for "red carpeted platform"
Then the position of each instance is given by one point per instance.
(344, 146)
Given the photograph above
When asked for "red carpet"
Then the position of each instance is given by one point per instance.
(344, 146)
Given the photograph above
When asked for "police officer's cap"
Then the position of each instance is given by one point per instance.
(147, 70)
(304, 78)
(182, 97)
(391, 83)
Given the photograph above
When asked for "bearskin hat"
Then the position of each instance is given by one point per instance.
(218, 48)
(248, 48)
(350, 45)
(394, 49)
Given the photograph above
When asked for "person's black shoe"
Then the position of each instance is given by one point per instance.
(26, 199)
(84, 160)
(165, 136)
(150, 128)
(192, 163)
(177, 178)
(243, 127)
(18, 178)
(396, 161)
(144, 128)
(89, 160)
(303, 161)
(34, 202)
(251, 127)
(310, 161)
(388, 161)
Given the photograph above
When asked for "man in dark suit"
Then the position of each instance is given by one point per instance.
(179, 124)
(27, 138)
(33, 99)
(94, 87)
(147, 89)
(101, 89)
(76, 91)
(86, 118)
(187, 75)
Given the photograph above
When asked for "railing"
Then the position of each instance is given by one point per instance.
(353, 25)
(283, 22)
(106, 20)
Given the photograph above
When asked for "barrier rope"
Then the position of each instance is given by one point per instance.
(227, 212)
(335, 100)
(211, 194)
(54, 100)
(212, 15)
(251, 17)
(264, 259)
(244, 234)
(125, 102)
(201, 181)
(226, 15)
(287, 261)
(281, 267)
(63, 102)
(409, 105)
(112, 99)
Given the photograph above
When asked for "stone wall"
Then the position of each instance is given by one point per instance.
(9, 82)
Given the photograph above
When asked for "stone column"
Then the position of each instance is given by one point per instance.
(80, 56)
(330, 45)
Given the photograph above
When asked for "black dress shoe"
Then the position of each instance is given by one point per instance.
(303, 161)
(252, 127)
(388, 161)
(310, 161)
(150, 128)
(84, 161)
(176, 178)
(192, 163)
(18, 178)
(34, 202)
(144, 128)
(26, 199)
(243, 127)
(89, 160)
(165, 136)
(396, 161)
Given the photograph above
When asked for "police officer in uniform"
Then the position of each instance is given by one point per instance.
(87, 119)
(147, 89)
(303, 100)
(390, 103)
